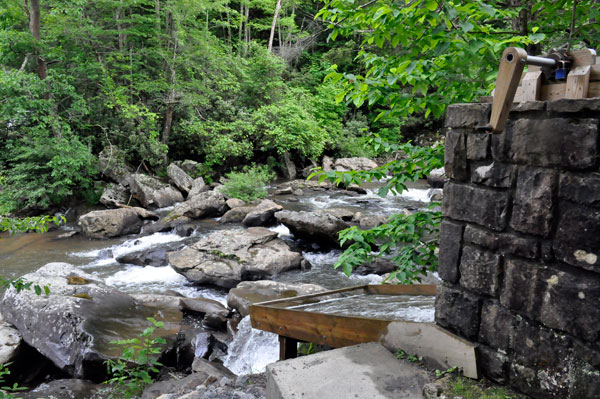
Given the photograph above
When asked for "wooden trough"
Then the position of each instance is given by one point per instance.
(437, 346)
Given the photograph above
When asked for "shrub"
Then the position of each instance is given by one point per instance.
(249, 184)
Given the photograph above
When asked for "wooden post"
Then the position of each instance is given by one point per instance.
(578, 82)
(531, 86)
(509, 75)
(288, 348)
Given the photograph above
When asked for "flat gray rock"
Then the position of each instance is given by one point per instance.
(365, 371)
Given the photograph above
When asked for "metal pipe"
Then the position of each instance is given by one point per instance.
(540, 61)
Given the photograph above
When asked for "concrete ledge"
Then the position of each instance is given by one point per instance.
(365, 371)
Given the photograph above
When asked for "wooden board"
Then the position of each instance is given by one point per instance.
(439, 348)
(578, 82)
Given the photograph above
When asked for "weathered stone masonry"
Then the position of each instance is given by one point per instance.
(520, 244)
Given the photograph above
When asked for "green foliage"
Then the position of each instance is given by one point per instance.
(8, 392)
(131, 373)
(465, 388)
(422, 55)
(402, 355)
(289, 125)
(411, 240)
(249, 184)
(441, 373)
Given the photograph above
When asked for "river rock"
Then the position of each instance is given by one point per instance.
(110, 223)
(371, 221)
(262, 214)
(214, 314)
(233, 203)
(249, 292)
(344, 214)
(67, 389)
(198, 187)
(160, 301)
(327, 164)
(151, 192)
(376, 266)
(437, 178)
(226, 257)
(210, 203)
(111, 163)
(181, 225)
(10, 342)
(190, 167)
(155, 256)
(318, 227)
(72, 326)
(236, 215)
(179, 178)
(357, 163)
(114, 195)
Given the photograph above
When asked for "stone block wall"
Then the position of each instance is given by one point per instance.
(520, 244)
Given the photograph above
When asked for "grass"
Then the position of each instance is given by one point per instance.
(465, 388)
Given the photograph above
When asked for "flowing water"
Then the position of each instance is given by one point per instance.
(251, 349)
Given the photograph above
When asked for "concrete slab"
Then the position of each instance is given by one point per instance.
(365, 371)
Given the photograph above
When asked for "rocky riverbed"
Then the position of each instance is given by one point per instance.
(185, 254)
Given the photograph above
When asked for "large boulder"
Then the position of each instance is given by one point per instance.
(114, 195)
(111, 163)
(151, 192)
(155, 256)
(213, 314)
(248, 292)
(262, 214)
(179, 178)
(348, 164)
(198, 186)
(74, 325)
(259, 215)
(226, 257)
(319, 227)
(67, 389)
(210, 203)
(111, 222)
(10, 342)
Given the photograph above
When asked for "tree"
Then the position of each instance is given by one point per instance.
(420, 56)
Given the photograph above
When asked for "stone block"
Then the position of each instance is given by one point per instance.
(493, 364)
(586, 352)
(480, 271)
(503, 243)
(450, 246)
(519, 291)
(577, 237)
(468, 115)
(493, 174)
(570, 302)
(583, 189)
(455, 156)
(536, 345)
(526, 106)
(483, 206)
(570, 143)
(532, 206)
(458, 311)
(585, 382)
(571, 105)
(478, 145)
(497, 326)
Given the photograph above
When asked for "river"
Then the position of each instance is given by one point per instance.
(251, 349)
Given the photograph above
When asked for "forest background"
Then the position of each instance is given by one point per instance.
(228, 82)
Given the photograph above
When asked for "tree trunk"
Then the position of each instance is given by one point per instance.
(34, 26)
(275, 16)
(170, 100)
(246, 30)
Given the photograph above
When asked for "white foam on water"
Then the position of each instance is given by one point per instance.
(251, 350)
(146, 275)
(322, 258)
(281, 230)
(128, 246)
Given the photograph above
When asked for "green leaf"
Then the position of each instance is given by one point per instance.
(466, 26)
